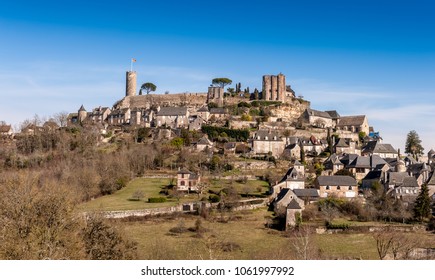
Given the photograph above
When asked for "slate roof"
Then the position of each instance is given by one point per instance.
(360, 162)
(270, 135)
(317, 113)
(218, 111)
(351, 121)
(416, 168)
(306, 193)
(185, 171)
(377, 147)
(333, 114)
(397, 177)
(348, 158)
(431, 153)
(82, 108)
(292, 175)
(229, 145)
(172, 111)
(410, 182)
(336, 180)
(293, 205)
(342, 143)
(204, 141)
(372, 175)
(282, 194)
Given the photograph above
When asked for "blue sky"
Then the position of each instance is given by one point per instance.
(357, 57)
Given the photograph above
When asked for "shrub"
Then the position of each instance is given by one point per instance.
(157, 199)
(342, 226)
(213, 198)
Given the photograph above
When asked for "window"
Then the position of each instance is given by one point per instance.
(182, 183)
(350, 188)
(327, 187)
(338, 187)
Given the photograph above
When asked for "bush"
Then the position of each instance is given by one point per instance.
(157, 199)
(342, 226)
(213, 198)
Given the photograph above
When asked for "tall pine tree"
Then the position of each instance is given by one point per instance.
(422, 207)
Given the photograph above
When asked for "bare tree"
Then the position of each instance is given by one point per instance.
(384, 239)
(61, 118)
(303, 243)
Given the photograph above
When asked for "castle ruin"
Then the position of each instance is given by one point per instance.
(275, 89)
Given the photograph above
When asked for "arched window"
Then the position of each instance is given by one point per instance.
(338, 187)
(327, 187)
(350, 188)
(182, 183)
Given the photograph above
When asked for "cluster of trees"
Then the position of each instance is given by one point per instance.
(38, 221)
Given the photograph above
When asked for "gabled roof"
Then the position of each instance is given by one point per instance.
(342, 143)
(410, 182)
(292, 175)
(417, 168)
(360, 162)
(301, 193)
(377, 147)
(333, 114)
(82, 108)
(351, 121)
(372, 175)
(336, 180)
(293, 205)
(316, 113)
(204, 141)
(185, 171)
(172, 111)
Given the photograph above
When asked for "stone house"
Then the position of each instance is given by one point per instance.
(315, 118)
(218, 114)
(421, 171)
(345, 146)
(265, 142)
(354, 124)
(6, 130)
(337, 185)
(293, 179)
(203, 113)
(203, 143)
(379, 149)
(402, 186)
(188, 181)
(282, 200)
(99, 115)
(119, 116)
(333, 164)
(230, 148)
(294, 212)
(362, 165)
(174, 117)
(142, 117)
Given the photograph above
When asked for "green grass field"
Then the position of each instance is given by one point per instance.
(247, 234)
(151, 187)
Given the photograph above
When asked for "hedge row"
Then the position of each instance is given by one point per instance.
(238, 134)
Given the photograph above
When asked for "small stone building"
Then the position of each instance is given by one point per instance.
(337, 185)
(265, 142)
(188, 181)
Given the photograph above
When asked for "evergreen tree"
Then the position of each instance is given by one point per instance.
(413, 144)
(256, 94)
(422, 205)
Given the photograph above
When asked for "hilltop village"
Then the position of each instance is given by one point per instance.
(223, 150)
(307, 154)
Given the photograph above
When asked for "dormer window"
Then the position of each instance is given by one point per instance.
(338, 187)
(350, 188)
(327, 187)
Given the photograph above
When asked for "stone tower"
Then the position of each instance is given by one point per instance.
(130, 88)
(215, 94)
(274, 88)
(82, 114)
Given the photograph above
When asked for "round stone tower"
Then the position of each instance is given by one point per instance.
(82, 114)
(130, 86)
